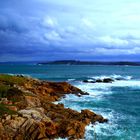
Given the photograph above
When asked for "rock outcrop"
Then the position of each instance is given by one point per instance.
(27, 110)
(104, 80)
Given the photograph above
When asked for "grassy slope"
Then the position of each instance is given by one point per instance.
(5, 110)
(10, 80)
(8, 91)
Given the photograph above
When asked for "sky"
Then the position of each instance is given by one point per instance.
(44, 30)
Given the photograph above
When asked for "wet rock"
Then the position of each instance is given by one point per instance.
(119, 78)
(108, 80)
(74, 130)
(85, 81)
(92, 116)
(99, 81)
(89, 81)
(105, 80)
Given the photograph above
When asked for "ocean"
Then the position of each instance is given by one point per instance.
(118, 101)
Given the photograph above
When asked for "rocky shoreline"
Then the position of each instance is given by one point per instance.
(27, 110)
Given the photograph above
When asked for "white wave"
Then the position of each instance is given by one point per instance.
(69, 80)
(19, 74)
(114, 76)
(96, 89)
(105, 129)
(101, 130)
(132, 83)
(10, 74)
(61, 139)
(74, 102)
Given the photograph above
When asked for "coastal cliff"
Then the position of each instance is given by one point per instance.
(27, 110)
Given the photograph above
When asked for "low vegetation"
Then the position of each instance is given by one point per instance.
(11, 80)
(5, 110)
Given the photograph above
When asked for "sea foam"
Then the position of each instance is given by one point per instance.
(114, 77)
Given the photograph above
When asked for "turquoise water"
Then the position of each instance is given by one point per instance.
(118, 101)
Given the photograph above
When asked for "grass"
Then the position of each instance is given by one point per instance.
(12, 93)
(11, 80)
(5, 110)
(4, 90)
(8, 91)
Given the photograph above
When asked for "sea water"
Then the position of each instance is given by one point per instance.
(118, 101)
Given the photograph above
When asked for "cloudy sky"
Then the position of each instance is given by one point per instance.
(69, 29)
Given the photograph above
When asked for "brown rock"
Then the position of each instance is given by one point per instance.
(4, 101)
(32, 101)
(87, 113)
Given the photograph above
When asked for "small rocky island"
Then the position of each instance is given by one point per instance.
(27, 111)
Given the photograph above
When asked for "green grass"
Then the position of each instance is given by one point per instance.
(6, 87)
(11, 93)
(5, 110)
(7, 90)
(4, 90)
(11, 80)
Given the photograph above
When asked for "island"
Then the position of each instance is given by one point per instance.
(28, 110)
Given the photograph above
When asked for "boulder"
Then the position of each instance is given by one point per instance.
(32, 101)
(108, 80)
(85, 81)
(105, 80)
(34, 113)
(99, 81)
(89, 81)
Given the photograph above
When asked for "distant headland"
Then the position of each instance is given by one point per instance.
(75, 62)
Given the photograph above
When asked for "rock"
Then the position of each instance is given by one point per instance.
(34, 113)
(75, 130)
(51, 129)
(87, 113)
(92, 116)
(119, 78)
(108, 80)
(98, 118)
(27, 128)
(105, 80)
(32, 101)
(99, 81)
(72, 129)
(89, 81)
(85, 81)
(4, 101)
(8, 117)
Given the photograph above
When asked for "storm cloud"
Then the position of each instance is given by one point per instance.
(76, 29)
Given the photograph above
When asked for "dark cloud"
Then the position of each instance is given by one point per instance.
(12, 22)
(44, 29)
